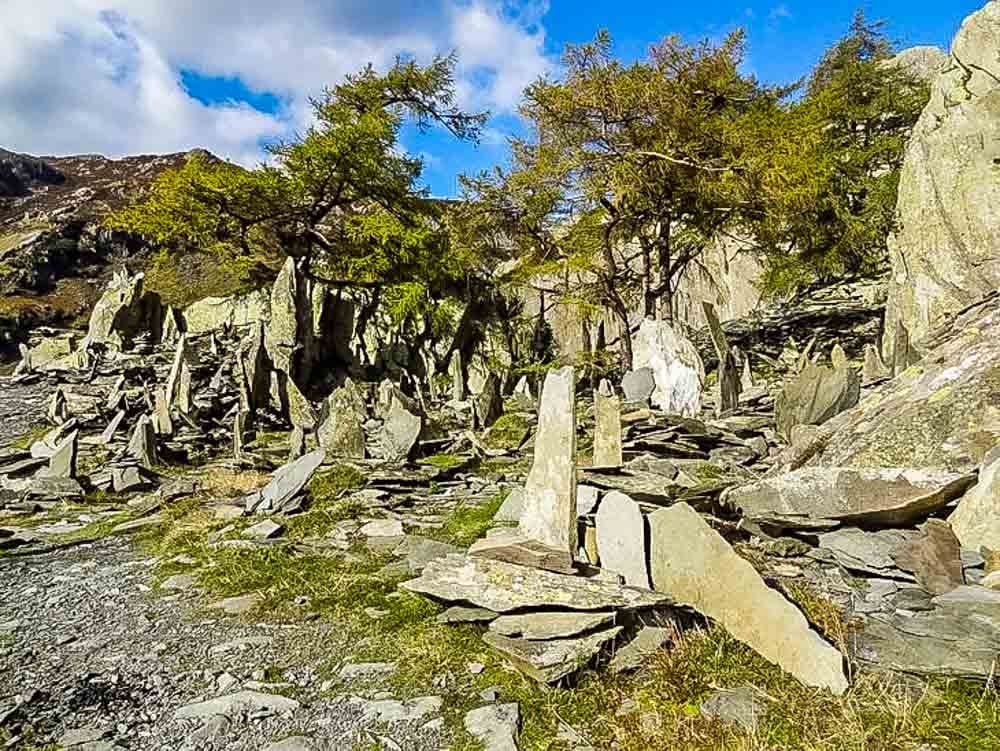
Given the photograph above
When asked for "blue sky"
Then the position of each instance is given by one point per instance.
(142, 76)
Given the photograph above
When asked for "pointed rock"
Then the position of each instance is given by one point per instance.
(142, 446)
(487, 405)
(109, 432)
(549, 512)
(286, 483)
(457, 373)
(874, 369)
(815, 395)
(163, 424)
(729, 377)
(693, 564)
(400, 432)
(523, 397)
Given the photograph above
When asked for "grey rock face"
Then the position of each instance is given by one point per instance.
(815, 395)
(944, 254)
(549, 511)
(694, 565)
(958, 636)
(342, 432)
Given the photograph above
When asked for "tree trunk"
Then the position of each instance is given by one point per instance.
(665, 308)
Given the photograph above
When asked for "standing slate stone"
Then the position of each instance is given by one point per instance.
(874, 368)
(400, 432)
(693, 564)
(523, 397)
(934, 558)
(621, 539)
(253, 371)
(457, 373)
(607, 427)
(109, 432)
(729, 376)
(815, 395)
(638, 385)
(178, 392)
(487, 405)
(62, 463)
(162, 422)
(746, 380)
(342, 432)
(142, 446)
(240, 422)
(296, 443)
(549, 514)
(58, 411)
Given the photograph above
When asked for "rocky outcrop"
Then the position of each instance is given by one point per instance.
(944, 253)
(941, 413)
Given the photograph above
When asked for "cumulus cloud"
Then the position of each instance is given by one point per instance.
(107, 75)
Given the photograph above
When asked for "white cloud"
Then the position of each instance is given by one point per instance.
(105, 75)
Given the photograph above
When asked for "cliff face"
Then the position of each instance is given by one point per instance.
(54, 255)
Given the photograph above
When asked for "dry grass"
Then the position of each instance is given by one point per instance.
(233, 483)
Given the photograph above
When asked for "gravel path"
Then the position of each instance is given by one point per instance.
(22, 407)
(87, 645)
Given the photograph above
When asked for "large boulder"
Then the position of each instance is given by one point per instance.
(944, 253)
(677, 367)
(872, 497)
